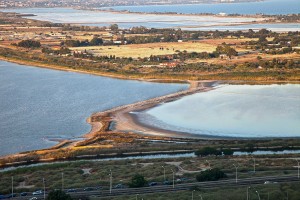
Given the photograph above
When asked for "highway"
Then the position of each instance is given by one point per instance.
(180, 187)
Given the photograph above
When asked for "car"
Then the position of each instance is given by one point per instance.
(71, 190)
(10, 196)
(267, 182)
(23, 194)
(184, 179)
(152, 184)
(119, 186)
(2, 197)
(33, 198)
(178, 180)
(166, 183)
(99, 188)
(38, 192)
(88, 189)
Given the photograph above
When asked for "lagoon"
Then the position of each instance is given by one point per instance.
(128, 20)
(40, 106)
(232, 111)
(269, 7)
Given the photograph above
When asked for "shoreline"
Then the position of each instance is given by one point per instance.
(120, 116)
(103, 74)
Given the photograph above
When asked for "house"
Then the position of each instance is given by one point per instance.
(169, 64)
(223, 56)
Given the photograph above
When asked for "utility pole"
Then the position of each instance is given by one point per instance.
(193, 194)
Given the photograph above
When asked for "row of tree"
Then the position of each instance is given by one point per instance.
(208, 151)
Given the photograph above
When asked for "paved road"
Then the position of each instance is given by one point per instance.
(181, 187)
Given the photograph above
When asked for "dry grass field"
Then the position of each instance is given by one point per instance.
(146, 50)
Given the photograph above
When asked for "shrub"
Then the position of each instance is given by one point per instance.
(208, 151)
(29, 44)
(210, 175)
(58, 195)
(137, 181)
(227, 152)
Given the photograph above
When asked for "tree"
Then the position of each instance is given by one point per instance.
(58, 195)
(137, 181)
(210, 175)
(207, 151)
(226, 49)
(29, 44)
(227, 152)
(96, 41)
(114, 27)
(262, 39)
(72, 43)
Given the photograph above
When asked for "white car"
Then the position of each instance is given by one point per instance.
(33, 198)
(38, 192)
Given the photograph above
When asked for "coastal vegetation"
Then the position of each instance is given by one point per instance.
(138, 181)
(58, 195)
(29, 44)
(210, 175)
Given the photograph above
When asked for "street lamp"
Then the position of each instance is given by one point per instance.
(110, 181)
(173, 178)
(44, 188)
(254, 165)
(193, 194)
(12, 187)
(208, 163)
(248, 192)
(257, 195)
(164, 173)
(298, 167)
(200, 196)
(236, 168)
(62, 181)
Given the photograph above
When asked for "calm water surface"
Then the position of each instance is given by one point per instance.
(94, 18)
(271, 7)
(41, 105)
(232, 111)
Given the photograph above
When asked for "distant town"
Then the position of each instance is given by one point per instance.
(102, 3)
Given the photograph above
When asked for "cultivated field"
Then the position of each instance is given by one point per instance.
(146, 50)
